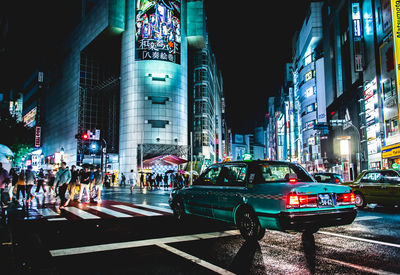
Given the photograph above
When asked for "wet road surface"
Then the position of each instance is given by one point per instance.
(136, 234)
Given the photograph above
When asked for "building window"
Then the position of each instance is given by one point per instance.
(310, 108)
(392, 127)
(158, 99)
(158, 123)
(307, 59)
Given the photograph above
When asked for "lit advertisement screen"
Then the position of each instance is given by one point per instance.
(158, 30)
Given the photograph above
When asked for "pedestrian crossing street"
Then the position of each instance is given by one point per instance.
(97, 210)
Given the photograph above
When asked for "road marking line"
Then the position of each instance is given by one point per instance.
(46, 212)
(195, 260)
(57, 219)
(109, 211)
(80, 213)
(359, 267)
(133, 244)
(367, 218)
(359, 239)
(355, 266)
(155, 208)
(136, 210)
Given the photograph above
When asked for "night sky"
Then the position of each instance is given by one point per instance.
(251, 40)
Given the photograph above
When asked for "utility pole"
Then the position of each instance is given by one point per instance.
(191, 158)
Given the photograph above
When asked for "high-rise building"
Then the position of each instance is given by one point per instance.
(309, 87)
(123, 74)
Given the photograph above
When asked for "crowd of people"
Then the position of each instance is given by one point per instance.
(24, 185)
(155, 180)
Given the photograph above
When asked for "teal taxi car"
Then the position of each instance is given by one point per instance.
(259, 195)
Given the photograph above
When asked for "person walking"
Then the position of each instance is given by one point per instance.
(50, 182)
(84, 180)
(40, 181)
(132, 180)
(123, 179)
(21, 186)
(63, 177)
(72, 184)
(30, 180)
(91, 184)
(98, 183)
(12, 185)
(4, 179)
(141, 180)
(165, 180)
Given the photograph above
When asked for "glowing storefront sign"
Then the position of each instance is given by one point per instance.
(396, 40)
(356, 16)
(309, 75)
(30, 118)
(158, 30)
(309, 92)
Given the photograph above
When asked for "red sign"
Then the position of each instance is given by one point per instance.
(37, 136)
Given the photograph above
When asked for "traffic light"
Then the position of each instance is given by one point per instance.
(83, 136)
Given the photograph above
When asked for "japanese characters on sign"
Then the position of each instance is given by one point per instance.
(158, 30)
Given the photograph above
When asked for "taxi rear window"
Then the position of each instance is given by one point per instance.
(281, 172)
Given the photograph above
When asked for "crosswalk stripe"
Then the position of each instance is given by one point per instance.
(140, 243)
(46, 212)
(80, 213)
(367, 218)
(155, 208)
(136, 210)
(57, 219)
(109, 211)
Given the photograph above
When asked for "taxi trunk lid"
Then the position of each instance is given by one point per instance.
(317, 188)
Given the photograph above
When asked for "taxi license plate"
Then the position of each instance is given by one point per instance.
(325, 200)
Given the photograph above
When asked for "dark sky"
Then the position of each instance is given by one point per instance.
(251, 41)
(34, 28)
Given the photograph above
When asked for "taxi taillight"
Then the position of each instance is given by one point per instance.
(346, 198)
(300, 201)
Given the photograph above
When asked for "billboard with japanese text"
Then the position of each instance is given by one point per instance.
(158, 30)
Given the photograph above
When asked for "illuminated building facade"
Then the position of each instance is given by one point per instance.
(309, 88)
(125, 72)
(154, 93)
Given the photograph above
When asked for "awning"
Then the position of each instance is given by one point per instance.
(174, 159)
(164, 160)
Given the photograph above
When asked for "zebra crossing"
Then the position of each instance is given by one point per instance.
(102, 210)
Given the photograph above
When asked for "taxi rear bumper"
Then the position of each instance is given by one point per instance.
(313, 220)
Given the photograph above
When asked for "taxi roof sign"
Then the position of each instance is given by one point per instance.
(247, 157)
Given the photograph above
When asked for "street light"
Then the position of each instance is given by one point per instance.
(62, 154)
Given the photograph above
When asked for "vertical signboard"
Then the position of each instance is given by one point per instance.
(158, 30)
(38, 131)
(389, 93)
(357, 36)
(396, 41)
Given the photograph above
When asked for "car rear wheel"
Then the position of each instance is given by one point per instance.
(179, 210)
(249, 226)
(360, 200)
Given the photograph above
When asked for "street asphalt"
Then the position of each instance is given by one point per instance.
(137, 234)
